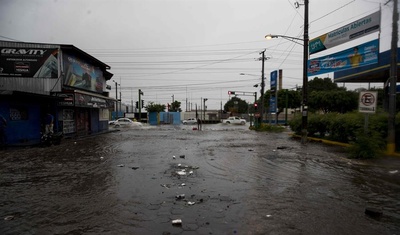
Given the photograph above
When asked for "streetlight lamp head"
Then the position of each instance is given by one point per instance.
(270, 36)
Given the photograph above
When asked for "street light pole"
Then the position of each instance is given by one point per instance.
(304, 103)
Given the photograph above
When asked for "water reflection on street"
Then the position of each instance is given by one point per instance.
(234, 181)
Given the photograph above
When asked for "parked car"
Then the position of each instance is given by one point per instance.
(234, 120)
(189, 121)
(125, 122)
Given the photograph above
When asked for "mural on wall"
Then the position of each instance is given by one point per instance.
(28, 62)
(82, 75)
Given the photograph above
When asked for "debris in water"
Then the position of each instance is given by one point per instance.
(135, 167)
(120, 165)
(191, 203)
(9, 217)
(173, 157)
(282, 147)
(177, 222)
(182, 156)
(180, 196)
(393, 172)
(269, 216)
(373, 212)
(181, 172)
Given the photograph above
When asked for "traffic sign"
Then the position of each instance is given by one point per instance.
(367, 101)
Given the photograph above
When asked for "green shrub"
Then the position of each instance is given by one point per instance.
(295, 124)
(349, 128)
(316, 125)
(366, 145)
(268, 128)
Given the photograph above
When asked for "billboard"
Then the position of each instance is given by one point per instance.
(361, 55)
(28, 62)
(83, 75)
(356, 29)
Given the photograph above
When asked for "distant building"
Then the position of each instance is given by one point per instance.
(62, 80)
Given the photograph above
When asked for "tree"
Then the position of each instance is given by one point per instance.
(340, 101)
(152, 107)
(290, 97)
(236, 105)
(175, 106)
(323, 84)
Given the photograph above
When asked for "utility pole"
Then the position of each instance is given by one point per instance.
(262, 88)
(116, 102)
(205, 108)
(120, 101)
(140, 104)
(304, 106)
(391, 141)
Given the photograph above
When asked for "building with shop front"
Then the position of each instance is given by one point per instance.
(62, 80)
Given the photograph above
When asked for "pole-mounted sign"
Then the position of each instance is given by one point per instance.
(367, 101)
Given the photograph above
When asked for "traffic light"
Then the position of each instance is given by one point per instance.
(255, 106)
(142, 103)
(137, 104)
(231, 92)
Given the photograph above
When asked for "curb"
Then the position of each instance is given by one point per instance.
(330, 142)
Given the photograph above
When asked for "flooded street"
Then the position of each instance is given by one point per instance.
(222, 180)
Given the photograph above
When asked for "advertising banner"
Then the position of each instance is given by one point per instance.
(82, 75)
(356, 29)
(364, 54)
(28, 62)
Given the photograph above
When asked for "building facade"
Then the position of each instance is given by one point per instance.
(62, 80)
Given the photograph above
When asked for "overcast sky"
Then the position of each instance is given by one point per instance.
(186, 49)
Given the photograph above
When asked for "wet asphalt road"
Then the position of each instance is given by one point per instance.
(234, 181)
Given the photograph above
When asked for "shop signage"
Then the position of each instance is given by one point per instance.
(28, 62)
(67, 99)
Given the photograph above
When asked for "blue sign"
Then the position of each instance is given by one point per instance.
(272, 105)
(274, 79)
(361, 55)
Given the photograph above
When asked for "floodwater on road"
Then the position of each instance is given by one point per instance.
(221, 180)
